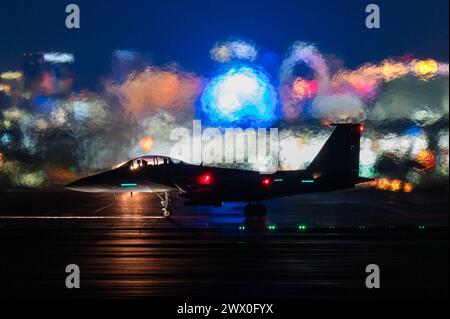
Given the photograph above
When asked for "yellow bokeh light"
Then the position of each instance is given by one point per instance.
(392, 70)
(426, 69)
(11, 75)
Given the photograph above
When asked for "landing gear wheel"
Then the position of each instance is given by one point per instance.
(261, 210)
(166, 204)
(249, 211)
(166, 212)
(255, 210)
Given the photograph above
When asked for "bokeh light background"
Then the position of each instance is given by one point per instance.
(52, 134)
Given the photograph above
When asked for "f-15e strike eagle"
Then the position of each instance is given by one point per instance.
(335, 167)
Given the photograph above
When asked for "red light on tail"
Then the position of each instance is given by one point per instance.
(361, 128)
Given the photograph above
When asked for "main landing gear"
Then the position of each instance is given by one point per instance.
(166, 204)
(255, 210)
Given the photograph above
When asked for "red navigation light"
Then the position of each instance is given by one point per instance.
(205, 179)
(266, 181)
(361, 128)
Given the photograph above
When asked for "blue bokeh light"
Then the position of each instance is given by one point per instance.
(44, 104)
(414, 131)
(6, 139)
(242, 96)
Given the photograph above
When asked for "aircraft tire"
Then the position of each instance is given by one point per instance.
(249, 211)
(255, 210)
(166, 212)
(261, 210)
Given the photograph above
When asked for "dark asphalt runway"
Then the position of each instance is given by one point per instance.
(124, 249)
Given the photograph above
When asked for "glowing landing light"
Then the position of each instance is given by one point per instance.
(421, 227)
(302, 227)
(241, 227)
(272, 227)
(205, 179)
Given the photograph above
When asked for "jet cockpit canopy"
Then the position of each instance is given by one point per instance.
(151, 160)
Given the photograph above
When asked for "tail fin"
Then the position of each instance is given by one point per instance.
(340, 154)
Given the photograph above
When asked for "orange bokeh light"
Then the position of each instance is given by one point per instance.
(146, 143)
(304, 89)
(393, 185)
(426, 159)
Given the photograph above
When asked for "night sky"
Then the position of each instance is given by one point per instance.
(184, 31)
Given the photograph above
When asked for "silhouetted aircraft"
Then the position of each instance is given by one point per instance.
(335, 167)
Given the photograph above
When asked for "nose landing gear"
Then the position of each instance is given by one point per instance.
(255, 210)
(166, 204)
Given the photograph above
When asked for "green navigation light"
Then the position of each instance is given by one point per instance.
(128, 185)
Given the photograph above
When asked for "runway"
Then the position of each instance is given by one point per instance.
(312, 246)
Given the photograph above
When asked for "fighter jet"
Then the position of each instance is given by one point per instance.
(335, 167)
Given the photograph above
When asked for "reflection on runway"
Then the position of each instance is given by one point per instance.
(125, 249)
(83, 217)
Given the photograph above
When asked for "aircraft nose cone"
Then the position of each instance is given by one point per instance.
(103, 182)
(81, 185)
